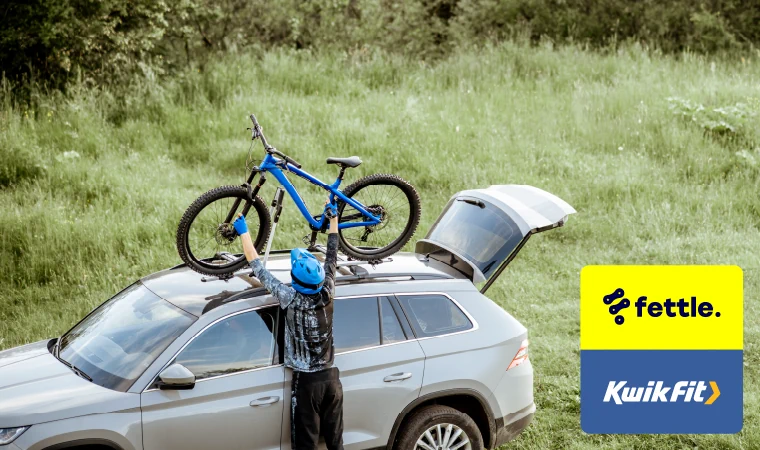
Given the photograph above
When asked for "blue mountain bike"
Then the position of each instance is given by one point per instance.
(377, 214)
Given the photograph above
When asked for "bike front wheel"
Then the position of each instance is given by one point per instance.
(206, 239)
(398, 205)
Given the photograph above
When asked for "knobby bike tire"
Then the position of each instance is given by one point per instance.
(415, 210)
(196, 262)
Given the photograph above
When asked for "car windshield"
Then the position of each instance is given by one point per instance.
(483, 234)
(119, 340)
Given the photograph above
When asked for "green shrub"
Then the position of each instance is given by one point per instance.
(712, 32)
(47, 41)
(52, 42)
(737, 119)
(671, 25)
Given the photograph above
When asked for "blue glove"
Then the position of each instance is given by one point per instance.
(240, 226)
(331, 210)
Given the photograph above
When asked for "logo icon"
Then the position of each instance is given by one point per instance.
(621, 305)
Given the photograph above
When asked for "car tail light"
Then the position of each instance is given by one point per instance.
(521, 356)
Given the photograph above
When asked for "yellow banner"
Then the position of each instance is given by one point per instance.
(661, 308)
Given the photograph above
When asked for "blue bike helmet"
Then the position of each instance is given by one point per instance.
(307, 273)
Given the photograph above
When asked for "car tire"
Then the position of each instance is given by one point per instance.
(424, 425)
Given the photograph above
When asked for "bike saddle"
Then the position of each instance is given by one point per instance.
(353, 161)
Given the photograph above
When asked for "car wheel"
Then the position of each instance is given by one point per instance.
(439, 427)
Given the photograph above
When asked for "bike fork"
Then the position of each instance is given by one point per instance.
(252, 193)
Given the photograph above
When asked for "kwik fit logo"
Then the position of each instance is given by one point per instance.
(669, 308)
(657, 391)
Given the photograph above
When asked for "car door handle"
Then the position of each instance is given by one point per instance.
(265, 401)
(398, 377)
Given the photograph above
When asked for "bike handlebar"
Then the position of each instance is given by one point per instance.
(258, 132)
(287, 158)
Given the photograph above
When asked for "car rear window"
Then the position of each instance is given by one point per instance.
(434, 315)
(356, 324)
(480, 232)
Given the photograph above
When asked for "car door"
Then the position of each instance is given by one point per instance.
(480, 231)
(381, 368)
(237, 400)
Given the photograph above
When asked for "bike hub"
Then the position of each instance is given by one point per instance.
(379, 210)
(225, 234)
(376, 210)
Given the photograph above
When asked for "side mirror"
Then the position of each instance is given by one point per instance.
(176, 377)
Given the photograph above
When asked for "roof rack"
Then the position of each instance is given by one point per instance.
(345, 280)
(353, 266)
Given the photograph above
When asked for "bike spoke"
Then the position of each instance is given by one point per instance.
(202, 247)
(209, 234)
(395, 211)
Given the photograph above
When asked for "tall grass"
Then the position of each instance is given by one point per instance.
(93, 183)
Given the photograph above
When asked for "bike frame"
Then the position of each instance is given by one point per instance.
(275, 166)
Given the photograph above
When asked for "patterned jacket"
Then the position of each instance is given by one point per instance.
(308, 318)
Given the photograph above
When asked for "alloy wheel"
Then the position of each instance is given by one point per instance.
(444, 436)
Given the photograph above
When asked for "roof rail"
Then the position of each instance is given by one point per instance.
(236, 255)
(352, 265)
(346, 280)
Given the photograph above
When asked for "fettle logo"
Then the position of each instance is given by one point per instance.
(669, 308)
(656, 391)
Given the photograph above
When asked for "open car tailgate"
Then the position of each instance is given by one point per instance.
(480, 231)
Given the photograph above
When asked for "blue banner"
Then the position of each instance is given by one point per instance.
(661, 391)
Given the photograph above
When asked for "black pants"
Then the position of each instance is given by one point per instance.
(316, 408)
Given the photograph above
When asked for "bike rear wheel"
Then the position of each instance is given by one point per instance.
(398, 204)
(204, 232)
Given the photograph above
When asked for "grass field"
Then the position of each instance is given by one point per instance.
(93, 184)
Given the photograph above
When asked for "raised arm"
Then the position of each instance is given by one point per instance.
(283, 293)
(331, 259)
(242, 229)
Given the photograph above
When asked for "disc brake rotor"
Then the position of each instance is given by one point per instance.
(225, 234)
(379, 210)
(376, 210)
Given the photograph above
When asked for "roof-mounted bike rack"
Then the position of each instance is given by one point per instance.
(346, 280)
(354, 267)
(274, 212)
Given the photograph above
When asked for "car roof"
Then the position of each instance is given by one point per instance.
(187, 289)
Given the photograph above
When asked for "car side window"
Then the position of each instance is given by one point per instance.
(434, 315)
(356, 323)
(391, 328)
(241, 342)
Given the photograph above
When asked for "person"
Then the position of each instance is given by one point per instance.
(316, 391)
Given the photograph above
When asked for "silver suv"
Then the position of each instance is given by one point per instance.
(178, 362)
